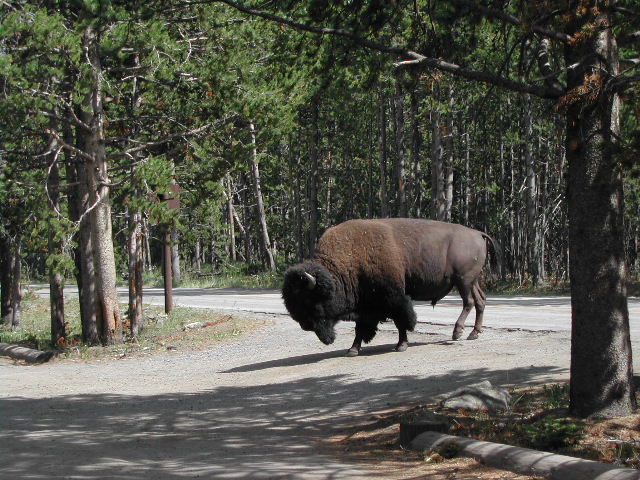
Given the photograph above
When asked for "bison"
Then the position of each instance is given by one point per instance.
(371, 270)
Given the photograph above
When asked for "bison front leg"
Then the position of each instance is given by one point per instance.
(366, 328)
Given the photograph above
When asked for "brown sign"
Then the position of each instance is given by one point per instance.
(173, 201)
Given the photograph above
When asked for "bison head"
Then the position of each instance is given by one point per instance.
(309, 293)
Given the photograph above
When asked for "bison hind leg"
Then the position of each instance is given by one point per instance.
(466, 292)
(404, 319)
(479, 300)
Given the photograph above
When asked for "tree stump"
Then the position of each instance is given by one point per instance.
(414, 425)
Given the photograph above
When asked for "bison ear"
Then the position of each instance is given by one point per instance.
(311, 280)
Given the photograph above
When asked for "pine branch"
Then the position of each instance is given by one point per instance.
(170, 137)
(511, 19)
(71, 148)
(418, 59)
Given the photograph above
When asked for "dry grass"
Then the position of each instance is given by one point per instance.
(161, 332)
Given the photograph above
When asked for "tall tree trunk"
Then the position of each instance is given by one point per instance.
(448, 164)
(437, 168)
(533, 226)
(99, 210)
(136, 266)
(384, 194)
(135, 242)
(175, 256)
(467, 178)
(230, 220)
(10, 273)
(257, 191)
(416, 145)
(314, 146)
(56, 279)
(5, 280)
(300, 240)
(601, 364)
(197, 255)
(399, 167)
(83, 257)
(246, 216)
(146, 235)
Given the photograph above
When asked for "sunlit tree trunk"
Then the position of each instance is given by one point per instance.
(257, 191)
(98, 213)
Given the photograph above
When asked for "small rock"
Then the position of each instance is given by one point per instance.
(193, 326)
(479, 396)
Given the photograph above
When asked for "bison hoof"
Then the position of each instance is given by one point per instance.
(353, 352)
(473, 335)
(401, 347)
(457, 334)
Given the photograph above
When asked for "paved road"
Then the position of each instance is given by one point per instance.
(551, 313)
(544, 313)
(257, 406)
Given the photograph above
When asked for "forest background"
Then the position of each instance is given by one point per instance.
(273, 135)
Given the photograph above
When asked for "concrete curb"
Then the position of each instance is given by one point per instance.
(525, 461)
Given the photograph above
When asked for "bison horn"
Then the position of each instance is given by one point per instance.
(311, 279)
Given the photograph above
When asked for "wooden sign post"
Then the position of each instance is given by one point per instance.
(173, 203)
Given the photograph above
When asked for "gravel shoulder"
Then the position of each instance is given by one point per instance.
(255, 406)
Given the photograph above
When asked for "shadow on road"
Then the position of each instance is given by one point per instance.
(261, 431)
(311, 358)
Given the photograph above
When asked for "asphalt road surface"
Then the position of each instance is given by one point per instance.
(259, 405)
(551, 313)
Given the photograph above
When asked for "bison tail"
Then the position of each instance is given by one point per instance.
(496, 256)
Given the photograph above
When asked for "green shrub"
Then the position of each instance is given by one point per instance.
(551, 433)
(557, 396)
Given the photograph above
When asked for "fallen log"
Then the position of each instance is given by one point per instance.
(27, 354)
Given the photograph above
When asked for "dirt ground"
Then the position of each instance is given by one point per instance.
(270, 403)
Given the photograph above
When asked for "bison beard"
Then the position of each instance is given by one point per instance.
(326, 332)
(370, 270)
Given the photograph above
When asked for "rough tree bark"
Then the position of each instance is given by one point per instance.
(399, 167)
(98, 214)
(136, 266)
(10, 272)
(533, 225)
(230, 220)
(416, 145)
(601, 365)
(384, 194)
(85, 276)
(448, 164)
(437, 168)
(314, 160)
(56, 279)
